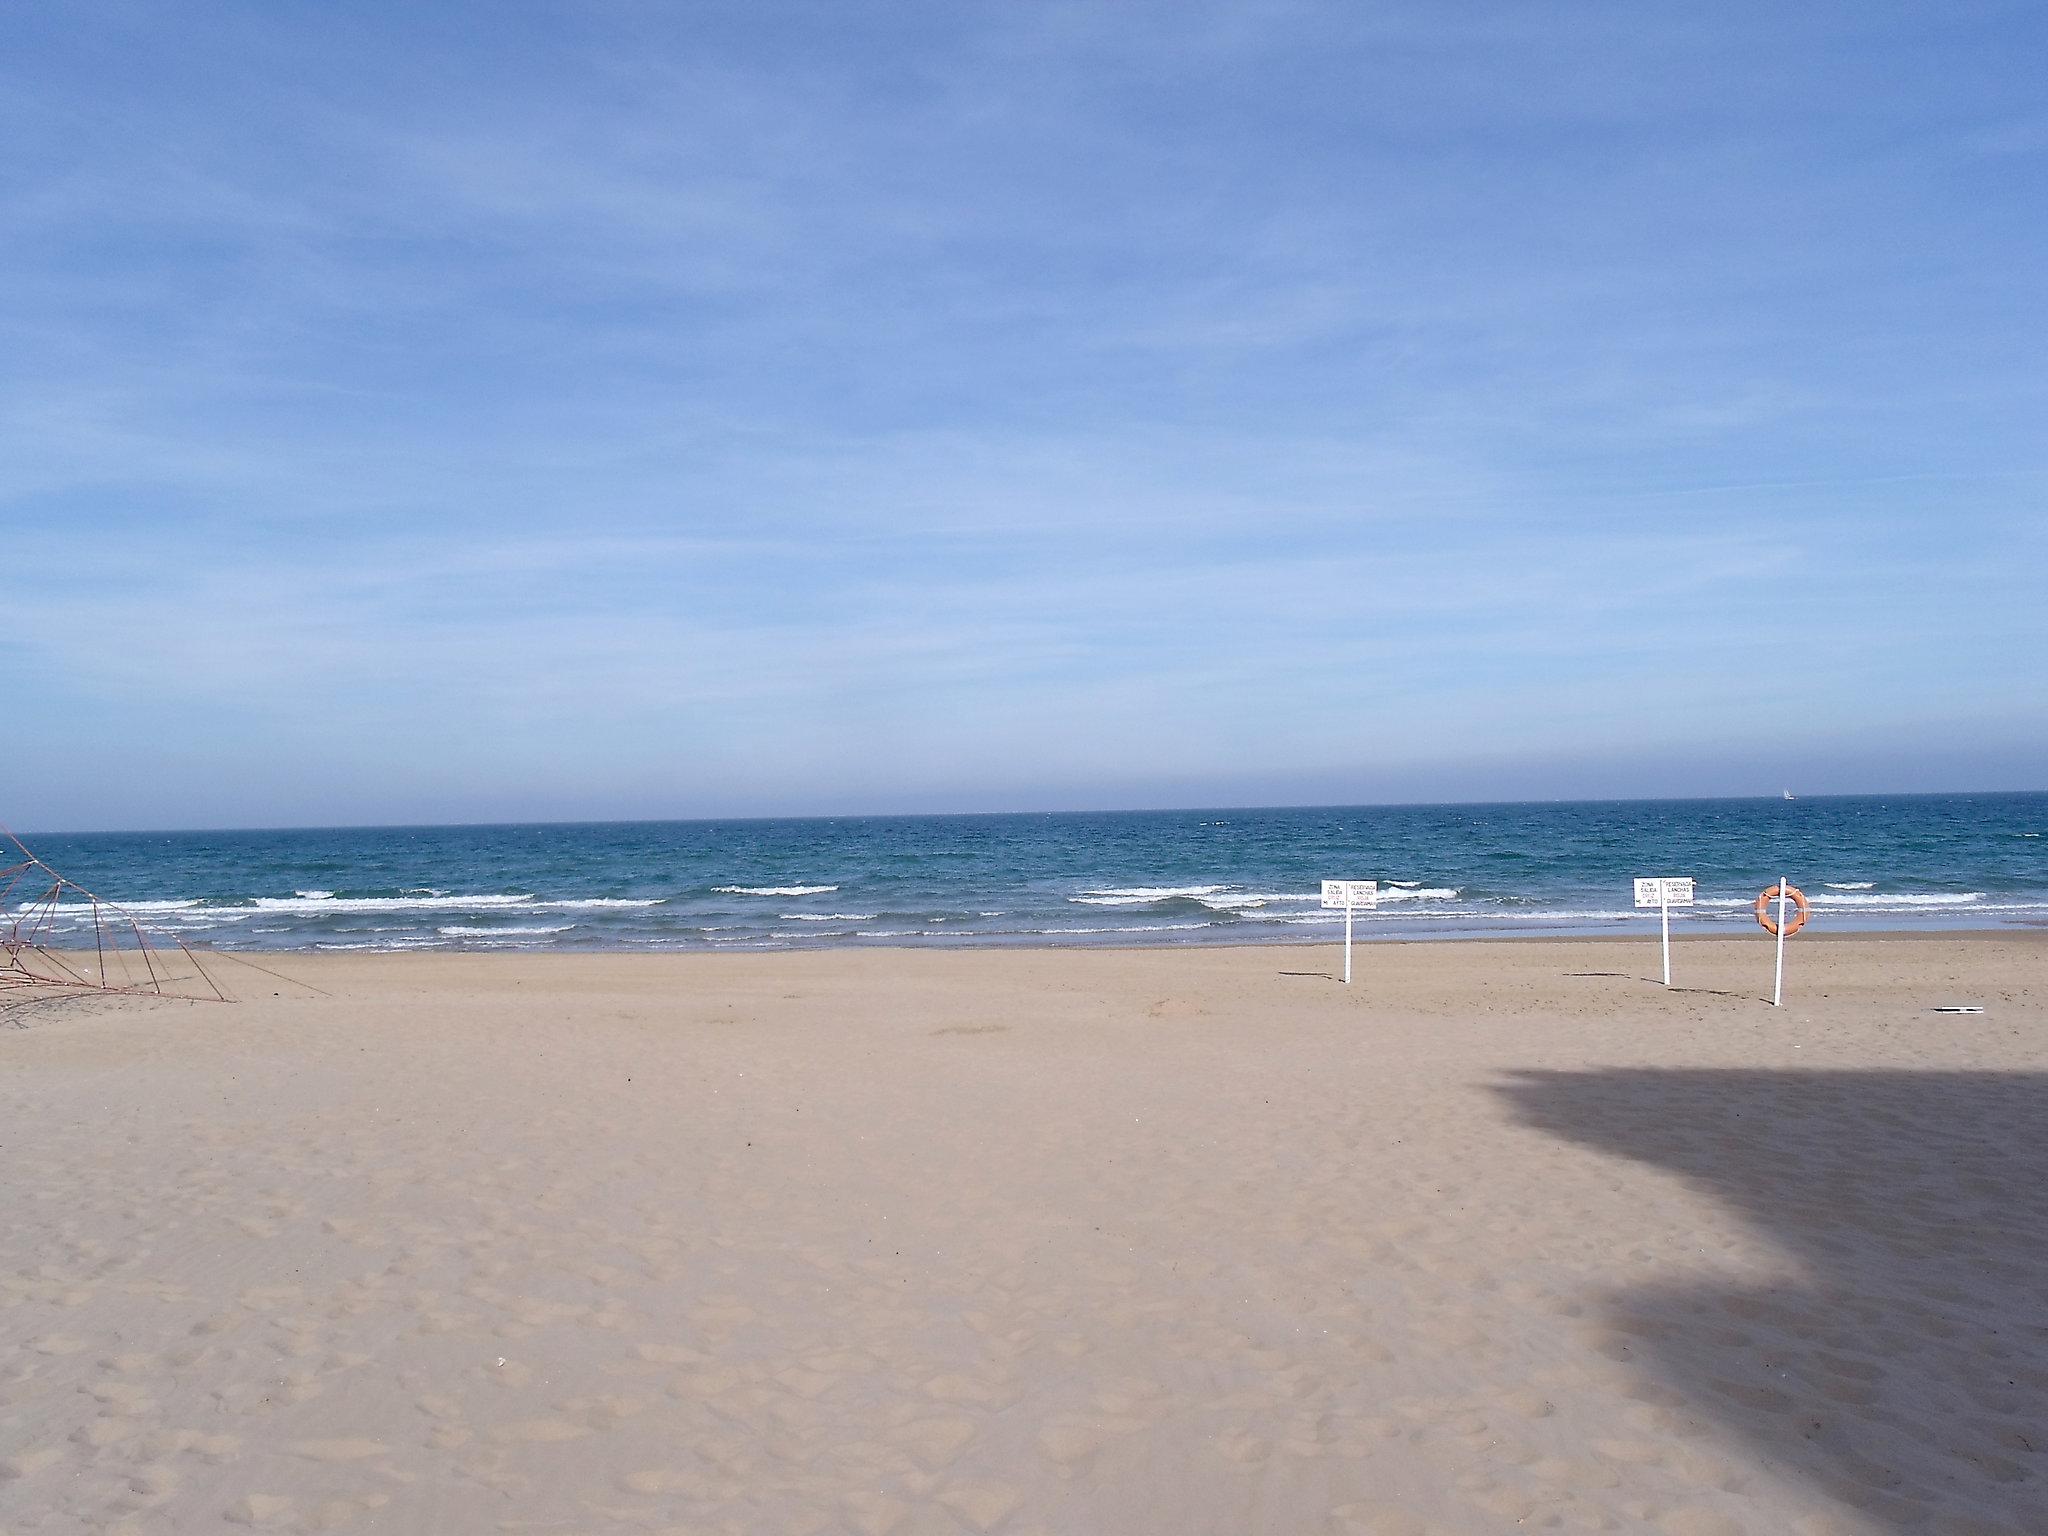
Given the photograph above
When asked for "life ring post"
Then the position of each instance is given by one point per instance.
(1778, 982)
(1793, 910)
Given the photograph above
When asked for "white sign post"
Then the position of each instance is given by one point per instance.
(1665, 892)
(1350, 895)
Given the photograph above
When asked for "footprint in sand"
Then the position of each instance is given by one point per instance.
(212, 1448)
(874, 1514)
(260, 1509)
(934, 1442)
(123, 1398)
(102, 1432)
(1371, 1519)
(982, 1504)
(1530, 1405)
(151, 1485)
(1698, 1522)
(334, 1514)
(651, 1481)
(718, 1313)
(669, 1354)
(1243, 1447)
(808, 1384)
(538, 1431)
(1071, 1443)
(29, 1463)
(339, 1450)
(958, 1389)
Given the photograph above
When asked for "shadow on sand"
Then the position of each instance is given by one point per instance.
(32, 1006)
(1908, 1375)
(1652, 981)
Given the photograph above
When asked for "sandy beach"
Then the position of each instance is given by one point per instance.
(1503, 1237)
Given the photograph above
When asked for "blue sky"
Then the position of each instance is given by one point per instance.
(509, 411)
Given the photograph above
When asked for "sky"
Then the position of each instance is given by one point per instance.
(516, 411)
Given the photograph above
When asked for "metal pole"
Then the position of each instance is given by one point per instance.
(1347, 941)
(1667, 932)
(1778, 986)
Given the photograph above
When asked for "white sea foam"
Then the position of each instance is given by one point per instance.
(499, 933)
(1128, 928)
(1567, 915)
(1904, 899)
(314, 895)
(592, 903)
(338, 905)
(1239, 901)
(1860, 895)
(825, 917)
(84, 908)
(1850, 885)
(1418, 893)
(383, 944)
(1140, 895)
(774, 890)
(1368, 918)
(1222, 898)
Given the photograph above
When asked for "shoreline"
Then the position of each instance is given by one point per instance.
(1730, 953)
(985, 946)
(2018, 934)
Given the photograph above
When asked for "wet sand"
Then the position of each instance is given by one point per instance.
(1502, 1237)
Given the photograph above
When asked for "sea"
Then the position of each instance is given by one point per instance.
(1230, 876)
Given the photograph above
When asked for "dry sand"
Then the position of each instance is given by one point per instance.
(1504, 1237)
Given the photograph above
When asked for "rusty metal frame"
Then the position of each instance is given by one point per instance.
(33, 896)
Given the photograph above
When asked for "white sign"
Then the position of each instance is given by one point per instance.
(1664, 891)
(1351, 893)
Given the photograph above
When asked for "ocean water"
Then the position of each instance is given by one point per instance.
(1152, 877)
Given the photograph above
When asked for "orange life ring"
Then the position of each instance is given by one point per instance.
(1769, 899)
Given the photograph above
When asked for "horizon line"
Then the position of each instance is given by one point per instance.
(1155, 810)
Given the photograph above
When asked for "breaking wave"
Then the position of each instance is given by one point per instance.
(1904, 899)
(319, 906)
(502, 933)
(1140, 895)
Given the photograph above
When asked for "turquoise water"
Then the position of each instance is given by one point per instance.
(1168, 877)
